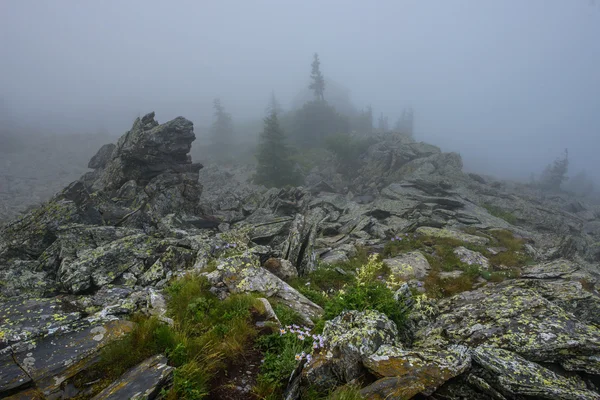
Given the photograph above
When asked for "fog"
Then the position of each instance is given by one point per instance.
(507, 84)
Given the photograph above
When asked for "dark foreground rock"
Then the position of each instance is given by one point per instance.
(142, 382)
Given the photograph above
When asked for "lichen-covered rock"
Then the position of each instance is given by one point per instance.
(471, 257)
(142, 382)
(52, 359)
(451, 234)
(282, 268)
(243, 274)
(299, 245)
(554, 269)
(102, 265)
(516, 319)
(515, 376)
(349, 338)
(412, 265)
(23, 319)
(415, 371)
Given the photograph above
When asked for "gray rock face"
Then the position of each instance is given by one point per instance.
(102, 157)
(243, 274)
(515, 319)
(471, 257)
(52, 359)
(406, 373)
(349, 338)
(412, 265)
(452, 234)
(514, 376)
(148, 150)
(142, 382)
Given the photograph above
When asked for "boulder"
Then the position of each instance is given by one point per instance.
(52, 359)
(412, 265)
(516, 319)
(102, 157)
(349, 338)
(148, 150)
(406, 373)
(471, 257)
(142, 382)
(515, 376)
(243, 274)
(282, 268)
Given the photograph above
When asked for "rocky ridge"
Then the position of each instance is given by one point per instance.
(105, 247)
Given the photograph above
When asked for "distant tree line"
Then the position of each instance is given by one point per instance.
(314, 125)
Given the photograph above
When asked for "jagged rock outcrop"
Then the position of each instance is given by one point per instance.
(106, 246)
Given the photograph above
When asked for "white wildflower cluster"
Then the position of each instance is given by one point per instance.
(368, 272)
(304, 333)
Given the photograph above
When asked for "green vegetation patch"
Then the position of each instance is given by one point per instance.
(500, 213)
(207, 336)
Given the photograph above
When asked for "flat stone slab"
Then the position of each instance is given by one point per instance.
(11, 375)
(22, 319)
(53, 359)
(450, 234)
(144, 381)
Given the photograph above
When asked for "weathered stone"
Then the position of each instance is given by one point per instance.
(516, 319)
(53, 359)
(349, 338)
(102, 157)
(148, 150)
(12, 375)
(104, 264)
(412, 265)
(418, 371)
(282, 268)
(515, 376)
(471, 257)
(450, 234)
(243, 274)
(22, 319)
(553, 269)
(142, 382)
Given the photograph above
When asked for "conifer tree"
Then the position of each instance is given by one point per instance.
(222, 127)
(275, 167)
(317, 84)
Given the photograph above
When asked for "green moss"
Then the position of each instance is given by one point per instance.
(500, 213)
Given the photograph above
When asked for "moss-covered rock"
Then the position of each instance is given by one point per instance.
(515, 376)
(415, 371)
(349, 338)
(517, 319)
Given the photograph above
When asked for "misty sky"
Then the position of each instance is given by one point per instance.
(508, 84)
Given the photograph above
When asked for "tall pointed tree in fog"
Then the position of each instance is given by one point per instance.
(222, 127)
(317, 84)
(274, 105)
(382, 123)
(555, 174)
(275, 167)
(405, 124)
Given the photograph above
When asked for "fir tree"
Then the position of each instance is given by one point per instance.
(555, 174)
(317, 85)
(275, 167)
(222, 127)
